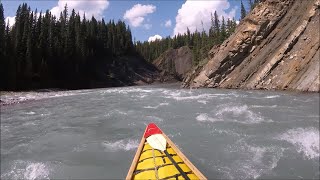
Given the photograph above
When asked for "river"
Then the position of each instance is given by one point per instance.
(227, 134)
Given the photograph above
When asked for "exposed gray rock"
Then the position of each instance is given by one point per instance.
(270, 49)
(174, 63)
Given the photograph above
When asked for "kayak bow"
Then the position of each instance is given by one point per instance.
(158, 158)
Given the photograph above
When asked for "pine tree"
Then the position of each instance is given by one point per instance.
(216, 28)
(223, 34)
(3, 63)
(2, 32)
(251, 5)
(69, 52)
(243, 11)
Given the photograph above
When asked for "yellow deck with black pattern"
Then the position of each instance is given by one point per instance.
(149, 163)
(151, 160)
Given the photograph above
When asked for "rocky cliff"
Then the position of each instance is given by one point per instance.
(276, 46)
(174, 63)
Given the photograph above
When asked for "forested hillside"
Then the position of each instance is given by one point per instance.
(70, 51)
(199, 41)
(73, 51)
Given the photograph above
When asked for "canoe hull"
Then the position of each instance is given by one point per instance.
(149, 163)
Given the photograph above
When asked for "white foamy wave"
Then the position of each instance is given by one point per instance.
(205, 117)
(260, 106)
(182, 95)
(239, 114)
(228, 133)
(306, 141)
(171, 93)
(131, 124)
(36, 171)
(271, 97)
(17, 97)
(116, 111)
(153, 118)
(27, 170)
(80, 148)
(203, 101)
(121, 145)
(174, 135)
(30, 123)
(30, 113)
(128, 90)
(201, 96)
(156, 107)
(254, 162)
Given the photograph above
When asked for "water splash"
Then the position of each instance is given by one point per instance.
(255, 161)
(305, 140)
(206, 117)
(156, 107)
(202, 101)
(27, 170)
(233, 113)
(30, 113)
(121, 145)
(127, 90)
(271, 97)
(36, 171)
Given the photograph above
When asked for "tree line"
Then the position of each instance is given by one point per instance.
(43, 51)
(252, 5)
(70, 51)
(199, 41)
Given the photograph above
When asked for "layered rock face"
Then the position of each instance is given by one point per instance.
(174, 63)
(275, 47)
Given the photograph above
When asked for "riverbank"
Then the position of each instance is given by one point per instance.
(17, 97)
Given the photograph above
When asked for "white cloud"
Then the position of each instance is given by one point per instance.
(137, 13)
(10, 20)
(153, 38)
(193, 12)
(90, 8)
(147, 26)
(168, 23)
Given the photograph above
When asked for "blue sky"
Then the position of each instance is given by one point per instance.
(146, 18)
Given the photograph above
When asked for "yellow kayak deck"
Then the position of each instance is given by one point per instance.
(150, 163)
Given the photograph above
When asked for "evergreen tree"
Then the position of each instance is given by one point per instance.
(3, 57)
(251, 5)
(2, 32)
(243, 11)
(216, 28)
(41, 51)
(223, 34)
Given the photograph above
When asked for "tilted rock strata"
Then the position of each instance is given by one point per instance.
(275, 47)
(174, 63)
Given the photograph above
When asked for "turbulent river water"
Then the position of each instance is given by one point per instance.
(227, 134)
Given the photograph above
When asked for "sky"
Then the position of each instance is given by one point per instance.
(148, 19)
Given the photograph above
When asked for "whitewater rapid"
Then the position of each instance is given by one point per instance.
(227, 134)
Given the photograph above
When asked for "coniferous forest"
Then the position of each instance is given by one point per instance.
(44, 51)
(199, 41)
(73, 51)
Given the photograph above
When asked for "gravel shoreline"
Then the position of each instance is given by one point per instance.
(11, 97)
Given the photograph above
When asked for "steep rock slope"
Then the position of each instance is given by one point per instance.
(174, 63)
(275, 47)
(125, 71)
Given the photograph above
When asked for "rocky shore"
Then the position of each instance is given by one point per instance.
(276, 47)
